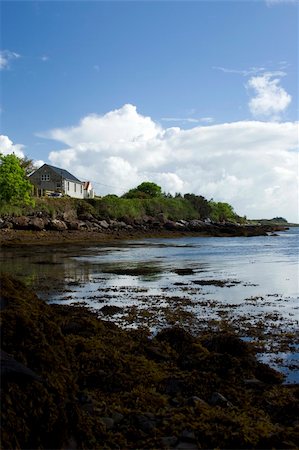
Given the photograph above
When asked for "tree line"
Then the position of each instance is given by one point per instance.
(16, 189)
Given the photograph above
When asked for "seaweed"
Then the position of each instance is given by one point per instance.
(98, 386)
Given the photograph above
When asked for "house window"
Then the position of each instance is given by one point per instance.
(81, 188)
(75, 187)
(68, 185)
(58, 185)
(45, 177)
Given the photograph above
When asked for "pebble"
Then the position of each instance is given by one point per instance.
(194, 401)
(109, 423)
(218, 399)
(186, 446)
(168, 441)
(188, 436)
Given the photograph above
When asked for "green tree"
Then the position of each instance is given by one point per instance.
(15, 188)
(221, 211)
(200, 204)
(27, 164)
(146, 189)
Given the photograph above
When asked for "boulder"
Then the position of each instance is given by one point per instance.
(196, 225)
(170, 225)
(69, 216)
(57, 225)
(104, 224)
(76, 225)
(37, 223)
(20, 223)
(218, 399)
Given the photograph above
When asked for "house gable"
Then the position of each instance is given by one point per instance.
(50, 178)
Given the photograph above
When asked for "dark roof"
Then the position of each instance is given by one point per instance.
(63, 173)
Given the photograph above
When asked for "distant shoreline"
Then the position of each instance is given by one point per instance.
(15, 238)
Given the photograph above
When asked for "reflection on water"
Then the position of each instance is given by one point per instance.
(251, 280)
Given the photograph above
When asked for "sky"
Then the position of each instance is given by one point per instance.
(197, 96)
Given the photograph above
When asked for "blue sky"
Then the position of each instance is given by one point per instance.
(189, 66)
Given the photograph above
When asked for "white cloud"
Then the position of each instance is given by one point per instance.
(250, 164)
(180, 119)
(45, 58)
(244, 72)
(8, 147)
(188, 119)
(6, 56)
(38, 163)
(270, 99)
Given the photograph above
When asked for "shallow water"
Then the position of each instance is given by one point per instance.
(253, 285)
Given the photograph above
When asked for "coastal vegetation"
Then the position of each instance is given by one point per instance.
(147, 199)
(15, 188)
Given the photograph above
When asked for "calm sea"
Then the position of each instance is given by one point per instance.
(250, 283)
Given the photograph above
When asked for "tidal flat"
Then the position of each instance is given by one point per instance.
(246, 285)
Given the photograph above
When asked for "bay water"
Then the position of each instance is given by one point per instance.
(248, 284)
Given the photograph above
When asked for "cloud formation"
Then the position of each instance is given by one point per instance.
(250, 164)
(7, 147)
(270, 99)
(188, 119)
(244, 72)
(6, 56)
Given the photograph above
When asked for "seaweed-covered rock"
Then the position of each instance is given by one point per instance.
(91, 384)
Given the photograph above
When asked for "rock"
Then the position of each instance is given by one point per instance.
(73, 225)
(110, 310)
(104, 224)
(57, 225)
(117, 417)
(196, 225)
(71, 444)
(218, 399)
(13, 371)
(69, 216)
(36, 223)
(6, 224)
(146, 423)
(170, 225)
(86, 216)
(122, 224)
(96, 226)
(168, 441)
(173, 386)
(186, 446)
(228, 343)
(183, 222)
(156, 354)
(185, 271)
(20, 223)
(108, 422)
(196, 401)
(188, 436)
(267, 374)
(162, 218)
(177, 338)
(253, 382)
(88, 225)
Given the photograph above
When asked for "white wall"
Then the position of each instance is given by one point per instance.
(73, 189)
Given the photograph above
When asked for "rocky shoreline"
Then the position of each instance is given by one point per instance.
(68, 227)
(71, 380)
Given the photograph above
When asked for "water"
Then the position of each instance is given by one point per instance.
(252, 285)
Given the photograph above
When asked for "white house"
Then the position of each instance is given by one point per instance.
(88, 190)
(50, 180)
